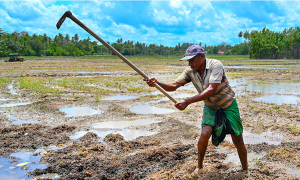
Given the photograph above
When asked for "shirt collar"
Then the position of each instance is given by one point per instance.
(208, 62)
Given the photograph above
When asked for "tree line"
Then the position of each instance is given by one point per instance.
(258, 44)
(60, 45)
(267, 44)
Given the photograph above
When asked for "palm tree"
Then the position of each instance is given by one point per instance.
(240, 35)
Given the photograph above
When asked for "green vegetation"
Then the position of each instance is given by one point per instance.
(265, 44)
(60, 45)
(275, 45)
(4, 82)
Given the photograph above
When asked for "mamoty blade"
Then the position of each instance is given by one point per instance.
(62, 19)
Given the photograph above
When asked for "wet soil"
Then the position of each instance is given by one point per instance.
(171, 153)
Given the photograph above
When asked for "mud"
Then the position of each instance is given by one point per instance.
(170, 153)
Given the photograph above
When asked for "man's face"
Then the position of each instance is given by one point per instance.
(197, 62)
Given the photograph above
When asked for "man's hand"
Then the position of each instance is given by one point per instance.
(151, 82)
(181, 105)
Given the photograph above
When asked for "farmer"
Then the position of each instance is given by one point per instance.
(208, 77)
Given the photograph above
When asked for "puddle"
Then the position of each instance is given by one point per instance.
(124, 124)
(24, 122)
(177, 96)
(177, 67)
(95, 72)
(271, 66)
(79, 111)
(234, 157)
(294, 172)
(13, 170)
(120, 97)
(92, 85)
(156, 93)
(18, 121)
(15, 104)
(11, 90)
(147, 109)
(128, 134)
(275, 88)
(279, 99)
(266, 137)
(6, 99)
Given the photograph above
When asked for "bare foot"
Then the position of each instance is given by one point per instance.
(197, 171)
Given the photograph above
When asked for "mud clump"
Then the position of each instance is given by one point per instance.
(112, 161)
(32, 136)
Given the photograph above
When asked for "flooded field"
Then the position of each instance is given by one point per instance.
(97, 119)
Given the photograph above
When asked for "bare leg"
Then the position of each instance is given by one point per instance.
(241, 149)
(202, 144)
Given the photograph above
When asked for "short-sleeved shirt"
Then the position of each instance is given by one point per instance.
(214, 73)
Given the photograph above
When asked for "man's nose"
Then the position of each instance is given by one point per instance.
(190, 63)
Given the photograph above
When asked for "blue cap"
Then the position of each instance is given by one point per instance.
(192, 51)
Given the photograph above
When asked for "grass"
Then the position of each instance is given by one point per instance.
(293, 129)
(4, 82)
(52, 76)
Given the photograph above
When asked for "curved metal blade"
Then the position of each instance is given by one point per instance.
(62, 19)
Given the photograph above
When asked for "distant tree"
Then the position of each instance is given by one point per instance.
(247, 35)
(240, 35)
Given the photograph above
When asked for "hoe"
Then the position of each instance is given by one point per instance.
(73, 18)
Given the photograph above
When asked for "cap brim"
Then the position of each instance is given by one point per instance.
(187, 58)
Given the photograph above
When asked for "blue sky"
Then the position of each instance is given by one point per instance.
(151, 22)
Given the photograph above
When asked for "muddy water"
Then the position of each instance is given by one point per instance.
(79, 111)
(124, 124)
(18, 121)
(147, 109)
(279, 99)
(120, 97)
(14, 104)
(262, 67)
(159, 142)
(18, 167)
(119, 127)
(11, 90)
(265, 137)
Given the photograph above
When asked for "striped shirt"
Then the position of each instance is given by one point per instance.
(214, 73)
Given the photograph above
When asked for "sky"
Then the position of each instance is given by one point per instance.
(151, 22)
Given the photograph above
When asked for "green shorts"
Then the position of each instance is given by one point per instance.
(232, 114)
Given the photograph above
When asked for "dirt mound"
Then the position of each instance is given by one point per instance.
(32, 136)
(111, 161)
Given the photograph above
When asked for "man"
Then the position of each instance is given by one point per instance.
(208, 77)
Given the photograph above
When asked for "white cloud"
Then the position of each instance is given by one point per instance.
(109, 4)
(176, 3)
(122, 29)
(163, 17)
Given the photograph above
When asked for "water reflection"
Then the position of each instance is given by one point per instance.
(265, 137)
(18, 121)
(79, 111)
(275, 88)
(11, 90)
(124, 124)
(266, 66)
(147, 109)
(6, 99)
(15, 104)
(279, 99)
(14, 171)
(294, 172)
(120, 97)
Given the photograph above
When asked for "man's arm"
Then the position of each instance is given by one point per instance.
(166, 86)
(208, 92)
